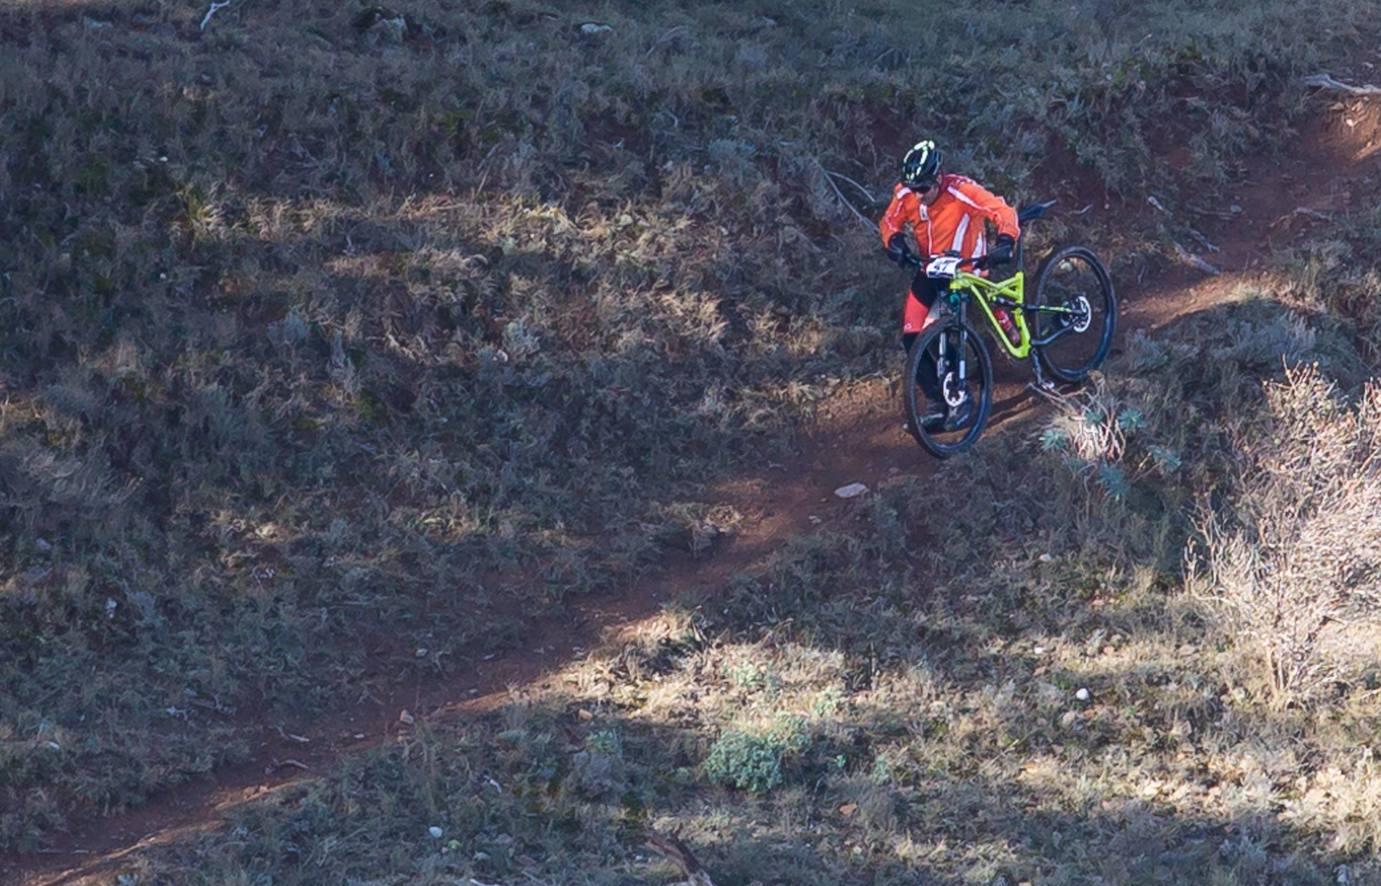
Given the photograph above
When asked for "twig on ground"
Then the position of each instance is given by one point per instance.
(1212, 212)
(1203, 241)
(1195, 261)
(1325, 81)
(671, 847)
(1302, 210)
(216, 6)
(845, 200)
(882, 55)
(1081, 211)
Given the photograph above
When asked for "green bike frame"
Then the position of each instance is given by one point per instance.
(1011, 295)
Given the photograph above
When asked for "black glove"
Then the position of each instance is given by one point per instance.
(1002, 250)
(896, 248)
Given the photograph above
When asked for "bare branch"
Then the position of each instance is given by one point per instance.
(671, 847)
(665, 38)
(842, 199)
(862, 190)
(1324, 81)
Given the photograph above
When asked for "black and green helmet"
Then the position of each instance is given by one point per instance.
(921, 166)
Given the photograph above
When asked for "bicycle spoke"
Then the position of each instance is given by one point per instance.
(1074, 313)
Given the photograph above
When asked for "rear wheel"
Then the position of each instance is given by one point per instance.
(1074, 283)
(950, 376)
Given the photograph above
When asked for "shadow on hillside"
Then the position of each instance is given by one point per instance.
(270, 475)
(284, 471)
(943, 822)
(1129, 785)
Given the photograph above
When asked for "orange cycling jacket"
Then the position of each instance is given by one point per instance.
(949, 222)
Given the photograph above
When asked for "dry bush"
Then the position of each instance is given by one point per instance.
(1332, 272)
(1300, 549)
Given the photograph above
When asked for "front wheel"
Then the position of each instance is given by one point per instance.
(1075, 313)
(949, 388)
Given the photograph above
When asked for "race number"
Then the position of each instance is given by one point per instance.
(944, 267)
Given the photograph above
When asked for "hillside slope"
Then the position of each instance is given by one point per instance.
(335, 352)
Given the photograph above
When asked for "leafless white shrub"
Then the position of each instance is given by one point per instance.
(1300, 551)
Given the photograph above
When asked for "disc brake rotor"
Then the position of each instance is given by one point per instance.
(953, 390)
(1083, 316)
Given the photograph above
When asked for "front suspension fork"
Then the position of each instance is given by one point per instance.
(959, 378)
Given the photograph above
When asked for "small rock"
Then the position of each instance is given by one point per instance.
(110, 607)
(585, 715)
(1040, 650)
(853, 490)
(435, 832)
(815, 520)
(1083, 695)
(406, 717)
(422, 652)
(43, 545)
(848, 809)
(1068, 719)
(1045, 558)
(592, 28)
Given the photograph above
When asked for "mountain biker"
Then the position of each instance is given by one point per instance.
(946, 212)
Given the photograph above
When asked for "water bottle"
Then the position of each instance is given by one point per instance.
(1009, 328)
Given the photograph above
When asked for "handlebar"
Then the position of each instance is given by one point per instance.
(915, 261)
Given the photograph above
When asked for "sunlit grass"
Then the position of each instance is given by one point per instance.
(500, 299)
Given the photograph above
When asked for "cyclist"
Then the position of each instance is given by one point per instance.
(946, 212)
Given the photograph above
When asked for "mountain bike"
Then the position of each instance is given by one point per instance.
(1065, 330)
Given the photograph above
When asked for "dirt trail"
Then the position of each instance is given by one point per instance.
(857, 438)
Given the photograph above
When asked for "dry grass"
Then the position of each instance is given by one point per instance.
(1038, 700)
(310, 336)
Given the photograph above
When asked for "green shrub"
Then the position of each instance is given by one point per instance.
(754, 762)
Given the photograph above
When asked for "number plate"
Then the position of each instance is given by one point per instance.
(944, 267)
